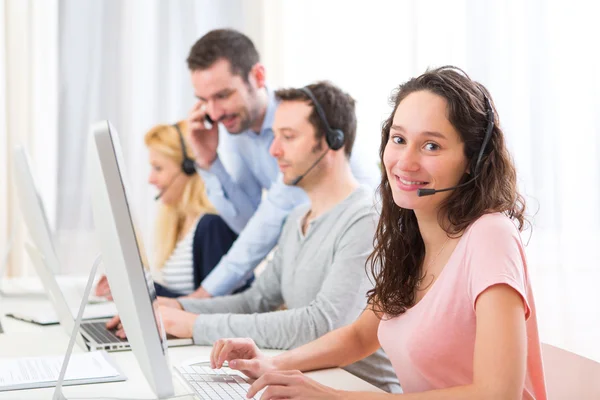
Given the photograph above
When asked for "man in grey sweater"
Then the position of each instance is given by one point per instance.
(318, 269)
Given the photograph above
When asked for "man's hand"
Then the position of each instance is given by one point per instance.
(200, 293)
(204, 141)
(168, 302)
(178, 323)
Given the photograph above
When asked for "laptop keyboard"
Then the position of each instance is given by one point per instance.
(211, 384)
(98, 331)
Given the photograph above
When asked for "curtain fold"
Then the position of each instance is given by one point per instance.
(29, 109)
(6, 224)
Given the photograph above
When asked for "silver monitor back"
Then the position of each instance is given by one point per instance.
(32, 208)
(34, 215)
(124, 258)
(45, 260)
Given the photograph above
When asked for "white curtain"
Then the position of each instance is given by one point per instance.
(541, 62)
(4, 227)
(28, 111)
(125, 61)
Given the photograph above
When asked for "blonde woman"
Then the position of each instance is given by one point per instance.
(190, 238)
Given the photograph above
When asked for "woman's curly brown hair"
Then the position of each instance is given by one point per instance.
(399, 251)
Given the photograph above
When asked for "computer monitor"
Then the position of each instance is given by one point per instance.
(62, 294)
(124, 259)
(33, 208)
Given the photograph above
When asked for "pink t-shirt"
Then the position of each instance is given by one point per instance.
(431, 345)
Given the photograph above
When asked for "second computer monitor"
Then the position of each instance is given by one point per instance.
(124, 259)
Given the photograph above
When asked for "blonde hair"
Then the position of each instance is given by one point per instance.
(194, 201)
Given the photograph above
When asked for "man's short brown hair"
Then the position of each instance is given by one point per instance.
(338, 106)
(227, 44)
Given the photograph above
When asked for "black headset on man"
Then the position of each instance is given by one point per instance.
(335, 138)
(188, 165)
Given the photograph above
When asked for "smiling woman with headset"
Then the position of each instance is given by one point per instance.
(190, 238)
(452, 304)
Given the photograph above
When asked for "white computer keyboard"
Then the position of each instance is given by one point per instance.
(211, 384)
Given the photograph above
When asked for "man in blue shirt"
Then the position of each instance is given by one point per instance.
(230, 84)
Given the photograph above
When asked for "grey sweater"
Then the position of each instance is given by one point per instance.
(319, 276)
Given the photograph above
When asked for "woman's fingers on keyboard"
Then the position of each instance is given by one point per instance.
(215, 352)
(244, 365)
(225, 353)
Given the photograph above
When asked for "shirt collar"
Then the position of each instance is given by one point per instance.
(272, 104)
(314, 222)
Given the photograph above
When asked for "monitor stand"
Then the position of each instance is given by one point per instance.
(58, 393)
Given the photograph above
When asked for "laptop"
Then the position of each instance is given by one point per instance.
(93, 335)
(134, 294)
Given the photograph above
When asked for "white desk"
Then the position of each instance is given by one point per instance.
(24, 339)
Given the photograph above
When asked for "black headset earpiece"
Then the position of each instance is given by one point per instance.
(334, 137)
(188, 166)
(488, 132)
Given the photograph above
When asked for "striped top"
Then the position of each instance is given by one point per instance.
(178, 271)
